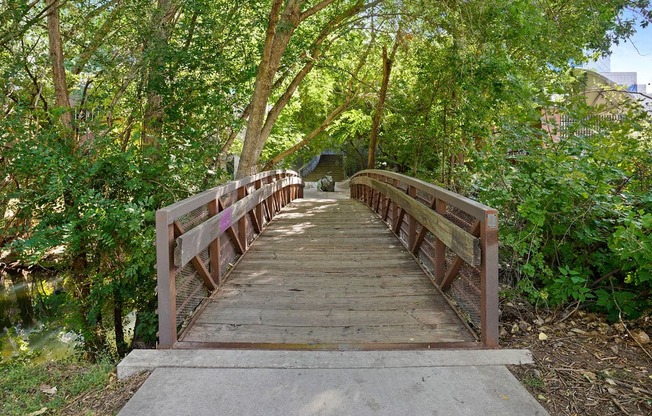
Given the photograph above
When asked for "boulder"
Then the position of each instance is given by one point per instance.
(326, 184)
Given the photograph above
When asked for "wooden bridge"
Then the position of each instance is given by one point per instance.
(401, 264)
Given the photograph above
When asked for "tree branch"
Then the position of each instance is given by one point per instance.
(329, 119)
(96, 42)
(280, 104)
(315, 9)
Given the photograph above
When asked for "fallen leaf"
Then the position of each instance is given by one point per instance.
(611, 390)
(542, 336)
(502, 396)
(48, 390)
(610, 381)
(40, 412)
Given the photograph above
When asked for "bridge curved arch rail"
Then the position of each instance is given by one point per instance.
(199, 238)
(454, 238)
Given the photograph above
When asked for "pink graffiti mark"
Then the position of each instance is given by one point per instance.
(225, 220)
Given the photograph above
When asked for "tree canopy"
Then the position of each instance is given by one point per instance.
(114, 108)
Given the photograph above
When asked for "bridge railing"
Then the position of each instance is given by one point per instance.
(454, 237)
(199, 239)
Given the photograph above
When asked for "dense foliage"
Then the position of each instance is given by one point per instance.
(154, 95)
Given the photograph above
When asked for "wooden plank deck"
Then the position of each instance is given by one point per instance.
(327, 273)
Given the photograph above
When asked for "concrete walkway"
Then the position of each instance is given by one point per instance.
(360, 383)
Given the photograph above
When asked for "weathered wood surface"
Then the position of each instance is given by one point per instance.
(464, 244)
(194, 241)
(327, 272)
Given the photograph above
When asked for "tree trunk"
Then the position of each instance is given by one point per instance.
(154, 110)
(56, 57)
(351, 92)
(120, 344)
(279, 32)
(97, 40)
(380, 106)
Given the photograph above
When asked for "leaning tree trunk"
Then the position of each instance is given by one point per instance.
(56, 58)
(276, 41)
(382, 95)
(280, 29)
(154, 108)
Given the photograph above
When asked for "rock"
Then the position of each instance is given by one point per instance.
(503, 331)
(641, 337)
(326, 184)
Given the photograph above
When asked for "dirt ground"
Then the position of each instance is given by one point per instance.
(583, 365)
(107, 400)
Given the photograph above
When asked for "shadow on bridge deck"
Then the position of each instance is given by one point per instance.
(327, 274)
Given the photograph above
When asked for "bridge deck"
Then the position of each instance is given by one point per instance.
(327, 274)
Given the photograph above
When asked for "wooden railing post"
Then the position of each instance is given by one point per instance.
(440, 248)
(242, 222)
(214, 248)
(412, 223)
(489, 279)
(259, 208)
(167, 306)
(395, 207)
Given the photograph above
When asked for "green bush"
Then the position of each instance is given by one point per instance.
(576, 215)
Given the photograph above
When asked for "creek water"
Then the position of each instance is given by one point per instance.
(21, 308)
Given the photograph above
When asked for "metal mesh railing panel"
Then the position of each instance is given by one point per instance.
(465, 289)
(194, 218)
(189, 289)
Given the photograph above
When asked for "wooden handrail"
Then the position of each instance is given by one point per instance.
(240, 210)
(414, 209)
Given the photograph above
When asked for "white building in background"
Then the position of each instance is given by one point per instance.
(629, 80)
